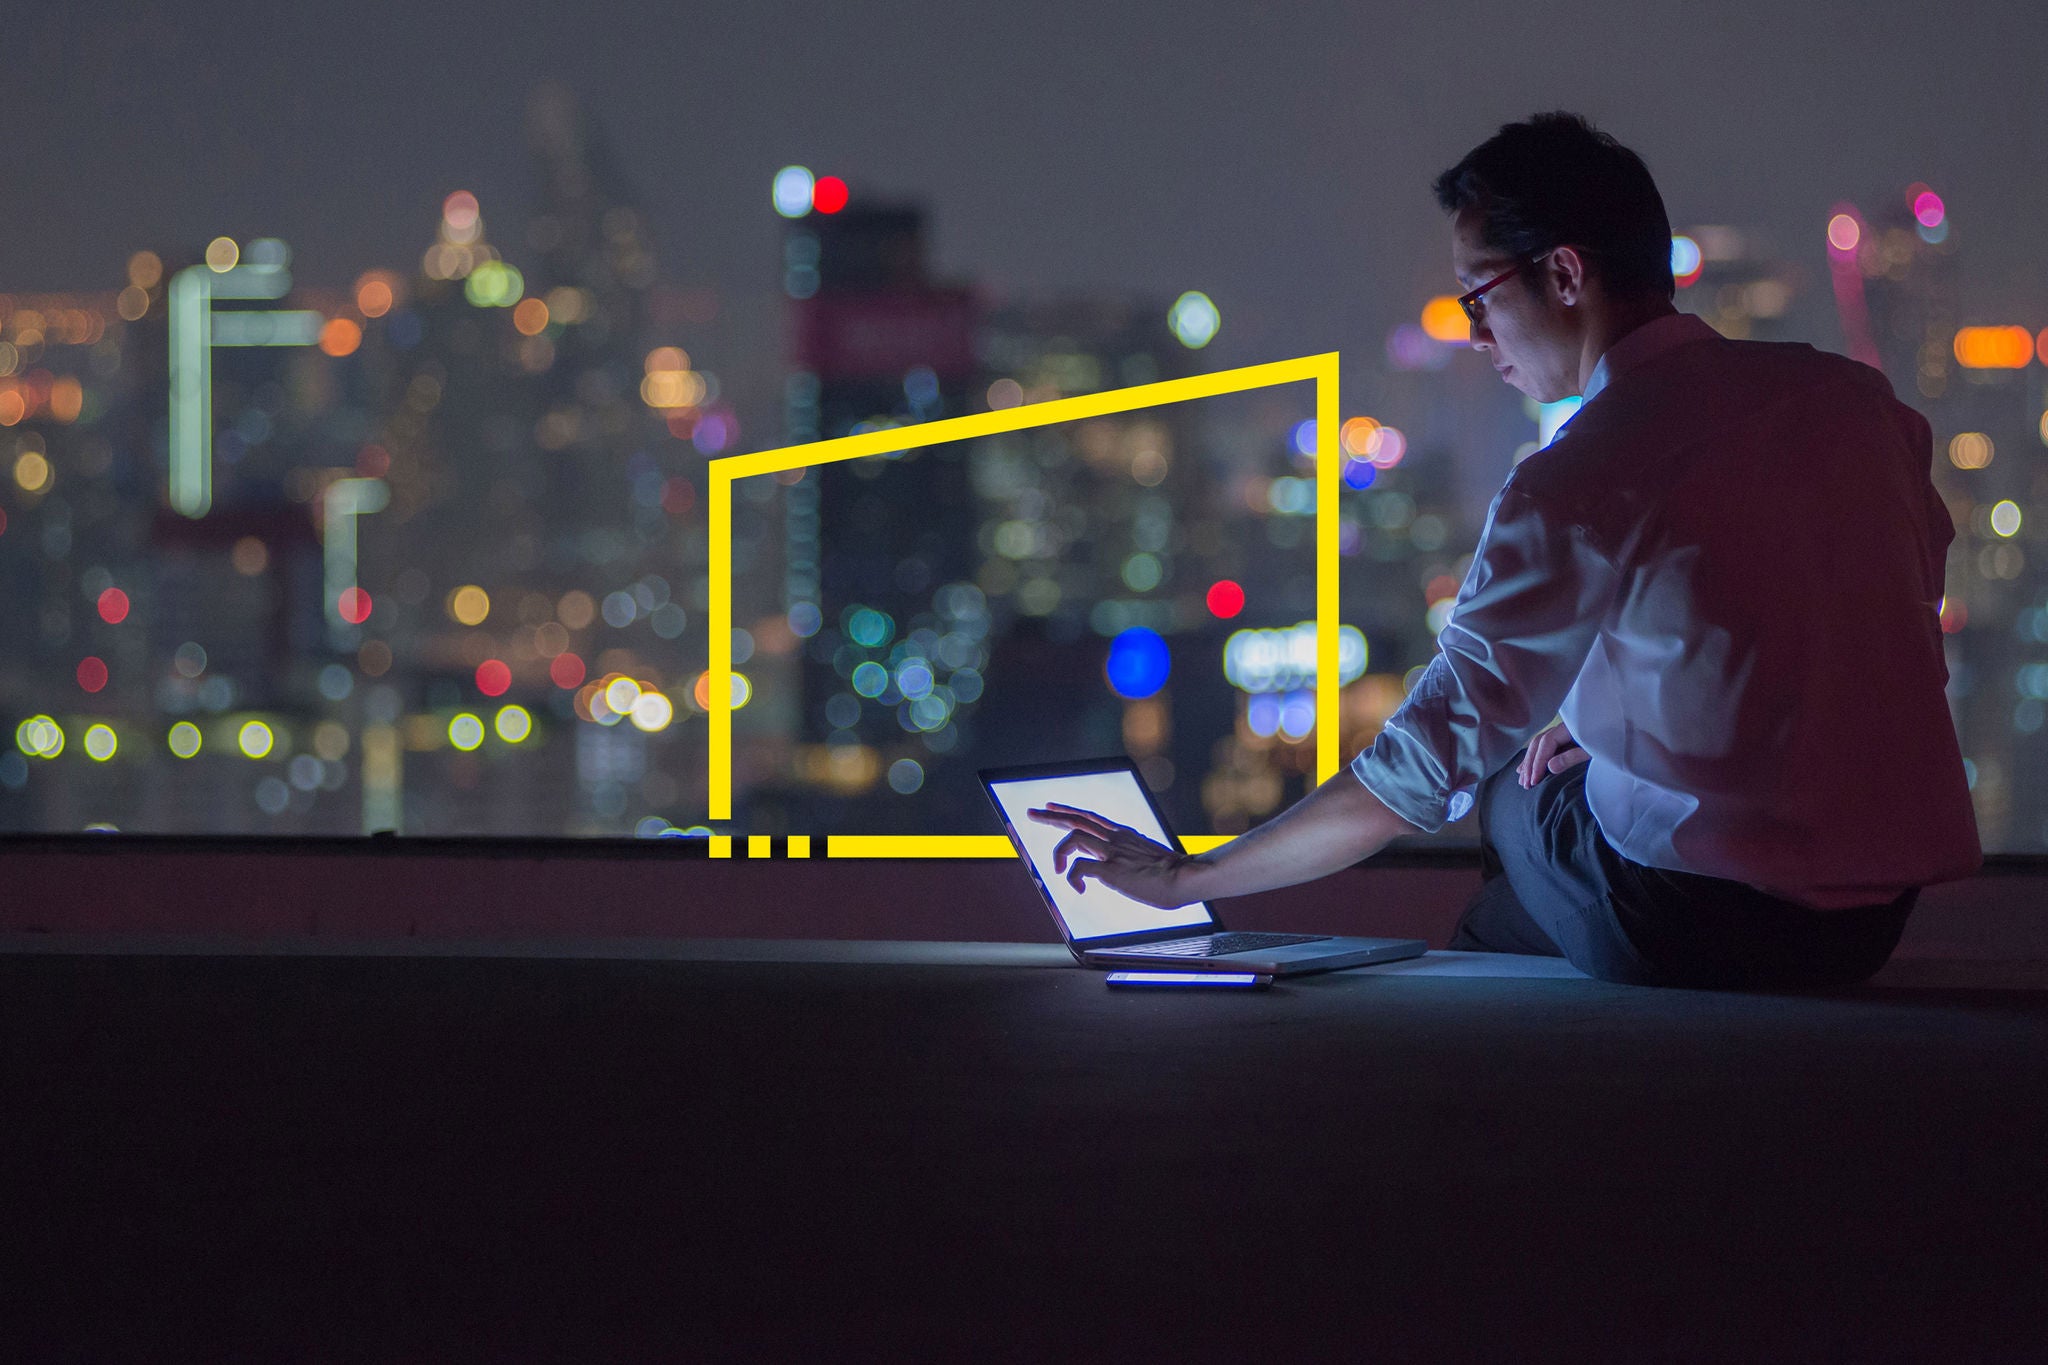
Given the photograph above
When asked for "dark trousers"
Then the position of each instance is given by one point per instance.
(1552, 885)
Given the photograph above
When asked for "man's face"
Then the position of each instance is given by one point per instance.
(1524, 327)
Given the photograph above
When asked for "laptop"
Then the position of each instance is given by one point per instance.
(1105, 928)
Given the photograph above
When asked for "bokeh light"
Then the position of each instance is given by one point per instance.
(828, 194)
(39, 737)
(1225, 599)
(513, 724)
(566, 671)
(651, 712)
(470, 605)
(530, 317)
(255, 739)
(1354, 434)
(1994, 348)
(32, 471)
(185, 739)
(92, 673)
(101, 742)
(792, 193)
(466, 732)
(1444, 320)
(493, 677)
(221, 254)
(340, 336)
(1844, 232)
(113, 606)
(2005, 518)
(1194, 320)
(1970, 450)
(1687, 260)
(1138, 663)
(1928, 208)
(353, 606)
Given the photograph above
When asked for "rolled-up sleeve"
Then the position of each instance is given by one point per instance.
(1516, 638)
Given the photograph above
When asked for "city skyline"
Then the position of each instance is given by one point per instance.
(1173, 143)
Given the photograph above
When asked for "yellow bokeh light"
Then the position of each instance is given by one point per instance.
(672, 389)
(1994, 348)
(469, 604)
(185, 739)
(1444, 320)
(222, 253)
(101, 742)
(514, 723)
(255, 739)
(39, 737)
(466, 732)
(1970, 450)
(32, 471)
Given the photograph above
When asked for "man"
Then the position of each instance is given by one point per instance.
(1725, 577)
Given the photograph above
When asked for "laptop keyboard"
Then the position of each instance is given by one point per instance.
(1216, 945)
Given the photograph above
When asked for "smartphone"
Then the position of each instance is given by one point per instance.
(1239, 981)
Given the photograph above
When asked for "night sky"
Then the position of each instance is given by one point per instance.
(1278, 158)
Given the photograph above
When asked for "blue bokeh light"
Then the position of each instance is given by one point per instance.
(1138, 663)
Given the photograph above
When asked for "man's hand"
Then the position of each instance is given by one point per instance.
(1553, 751)
(1116, 855)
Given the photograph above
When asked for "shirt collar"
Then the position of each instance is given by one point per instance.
(1645, 344)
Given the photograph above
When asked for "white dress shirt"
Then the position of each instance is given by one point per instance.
(1725, 575)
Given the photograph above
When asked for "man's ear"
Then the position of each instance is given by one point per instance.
(1567, 271)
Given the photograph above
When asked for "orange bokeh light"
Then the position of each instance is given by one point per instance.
(374, 296)
(1994, 348)
(530, 317)
(340, 337)
(1444, 320)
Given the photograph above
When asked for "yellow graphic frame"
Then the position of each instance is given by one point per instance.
(1319, 369)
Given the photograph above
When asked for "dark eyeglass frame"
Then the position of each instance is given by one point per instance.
(1474, 311)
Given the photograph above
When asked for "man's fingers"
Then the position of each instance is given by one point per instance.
(1082, 869)
(1570, 758)
(1073, 817)
(1079, 839)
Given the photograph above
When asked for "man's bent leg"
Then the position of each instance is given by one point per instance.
(1495, 920)
(1550, 850)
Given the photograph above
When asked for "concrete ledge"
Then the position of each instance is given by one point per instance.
(492, 890)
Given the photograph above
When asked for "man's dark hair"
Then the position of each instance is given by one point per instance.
(1556, 180)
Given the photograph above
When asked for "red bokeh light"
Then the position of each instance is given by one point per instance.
(113, 606)
(829, 194)
(354, 606)
(493, 677)
(3, 511)
(678, 497)
(566, 671)
(92, 673)
(1954, 616)
(373, 462)
(1226, 598)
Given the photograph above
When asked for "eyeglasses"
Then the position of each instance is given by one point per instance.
(1475, 309)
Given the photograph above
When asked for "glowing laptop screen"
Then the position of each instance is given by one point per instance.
(1098, 911)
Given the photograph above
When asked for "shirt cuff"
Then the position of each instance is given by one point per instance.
(1405, 788)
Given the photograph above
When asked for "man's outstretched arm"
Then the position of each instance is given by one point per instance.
(1334, 826)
